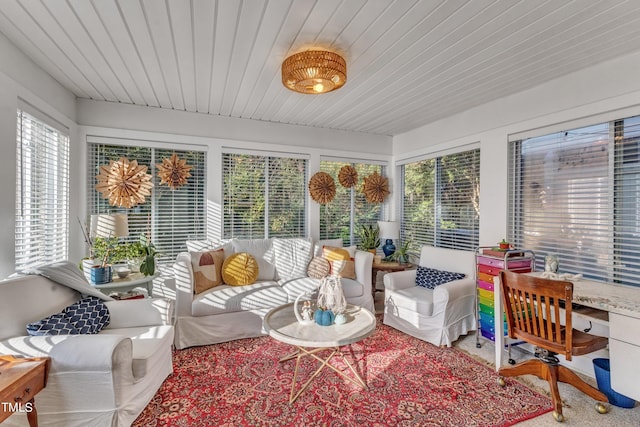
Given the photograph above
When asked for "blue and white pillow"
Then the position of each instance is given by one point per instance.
(430, 277)
(86, 316)
(56, 324)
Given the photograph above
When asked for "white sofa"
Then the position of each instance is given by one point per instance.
(104, 379)
(226, 313)
(438, 316)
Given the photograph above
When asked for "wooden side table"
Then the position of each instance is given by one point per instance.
(388, 267)
(20, 380)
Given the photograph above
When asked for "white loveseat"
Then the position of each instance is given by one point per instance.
(438, 316)
(104, 379)
(226, 313)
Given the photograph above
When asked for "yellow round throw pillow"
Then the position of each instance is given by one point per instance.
(240, 269)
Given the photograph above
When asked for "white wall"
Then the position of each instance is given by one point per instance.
(603, 92)
(122, 116)
(20, 78)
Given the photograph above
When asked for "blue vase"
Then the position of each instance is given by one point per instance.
(100, 275)
(388, 248)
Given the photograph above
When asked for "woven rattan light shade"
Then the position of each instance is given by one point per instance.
(314, 71)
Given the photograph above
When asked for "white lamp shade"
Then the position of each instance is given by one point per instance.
(389, 229)
(104, 225)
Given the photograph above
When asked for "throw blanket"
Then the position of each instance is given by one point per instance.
(68, 274)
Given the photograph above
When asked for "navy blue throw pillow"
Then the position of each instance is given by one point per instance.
(430, 277)
(86, 316)
(56, 324)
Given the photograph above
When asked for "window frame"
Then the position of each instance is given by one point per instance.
(468, 238)
(149, 217)
(48, 144)
(614, 259)
(267, 228)
(354, 221)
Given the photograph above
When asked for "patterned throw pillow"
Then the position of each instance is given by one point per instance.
(56, 324)
(207, 269)
(86, 316)
(318, 268)
(341, 260)
(430, 277)
(240, 269)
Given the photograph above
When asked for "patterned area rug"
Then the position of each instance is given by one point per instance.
(410, 383)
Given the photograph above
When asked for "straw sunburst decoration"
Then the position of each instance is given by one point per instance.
(322, 187)
(348, 176)
(173, 171)
(375, 188)
(124, 183)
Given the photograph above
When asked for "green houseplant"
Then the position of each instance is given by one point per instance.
(403, 252)
(369, 236)
(118, 252)
(148, 266)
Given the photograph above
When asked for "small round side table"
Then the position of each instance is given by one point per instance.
(388, 267)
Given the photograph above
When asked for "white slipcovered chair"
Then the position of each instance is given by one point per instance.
(439, 315)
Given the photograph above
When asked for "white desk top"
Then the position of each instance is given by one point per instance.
(282, 325)
(614, 298)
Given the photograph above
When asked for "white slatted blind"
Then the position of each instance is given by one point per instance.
(627, 202)
(342, 217)
(576, 194)
(264, 196)
(171, 216)
(440, 205)
(42, 193)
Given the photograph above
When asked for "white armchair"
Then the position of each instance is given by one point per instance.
(104, 379)
(438, 316)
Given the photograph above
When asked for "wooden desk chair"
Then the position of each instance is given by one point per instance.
(533, 309)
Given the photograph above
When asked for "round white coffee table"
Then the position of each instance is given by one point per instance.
(310, 339)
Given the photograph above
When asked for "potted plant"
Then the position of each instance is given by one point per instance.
(369, 237)
(504, 245)
(403, 252)
(148, 265)
(101, 272)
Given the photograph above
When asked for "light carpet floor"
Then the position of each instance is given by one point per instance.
(579, 409)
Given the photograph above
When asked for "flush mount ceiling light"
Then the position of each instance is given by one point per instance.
(314, 71)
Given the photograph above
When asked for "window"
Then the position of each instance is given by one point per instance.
(171, 216)
(342, 217)
(576, 194)
(440, 204)
(42, 193)
(264, 196)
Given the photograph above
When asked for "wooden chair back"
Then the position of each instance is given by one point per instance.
(534, 313)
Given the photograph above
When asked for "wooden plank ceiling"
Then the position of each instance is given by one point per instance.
(410, 62)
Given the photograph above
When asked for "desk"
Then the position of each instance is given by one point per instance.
(128, 283)
(622, 303)
(20, 381)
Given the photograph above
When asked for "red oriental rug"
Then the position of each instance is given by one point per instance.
(410, 383)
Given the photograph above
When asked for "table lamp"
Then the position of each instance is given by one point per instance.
(109, 225)
(389, 230)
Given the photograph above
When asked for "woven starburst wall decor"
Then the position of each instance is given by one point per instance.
(375, 188)
(348, 176)
(322, 187)
(124, 183)
(173, 171)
